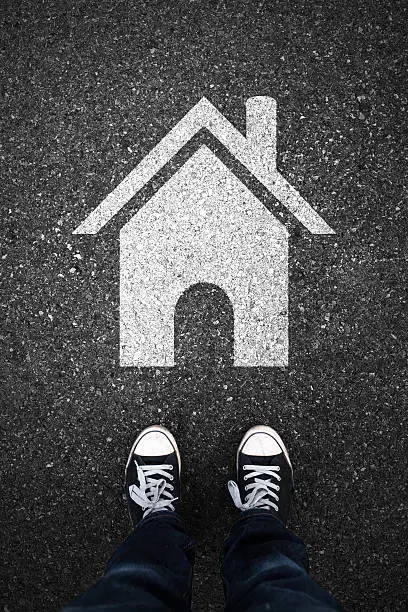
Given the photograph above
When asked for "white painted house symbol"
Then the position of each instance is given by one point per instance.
(205, 226)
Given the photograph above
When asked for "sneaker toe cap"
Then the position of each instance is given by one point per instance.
(154, 444)
(261, 445)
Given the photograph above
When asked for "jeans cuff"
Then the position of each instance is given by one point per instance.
(246, 514)
(161, 515)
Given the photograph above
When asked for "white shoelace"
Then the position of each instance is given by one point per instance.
(260, 490)
(153, 493)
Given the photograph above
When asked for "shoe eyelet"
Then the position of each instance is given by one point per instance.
(246, 487)
(278, 469)
(245, 477)
(171, 467)
(171, 487)
(245, 467)
(171, 477)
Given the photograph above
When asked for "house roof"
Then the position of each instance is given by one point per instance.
(256, 159)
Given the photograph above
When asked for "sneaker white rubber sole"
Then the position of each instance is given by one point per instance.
(266, 430)
(164, 431)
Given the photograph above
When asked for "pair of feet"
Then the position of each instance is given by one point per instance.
(264, 474)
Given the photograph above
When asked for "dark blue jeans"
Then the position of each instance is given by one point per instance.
(264, 567)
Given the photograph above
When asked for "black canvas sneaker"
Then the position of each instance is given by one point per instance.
(264, 474)
(152, 475)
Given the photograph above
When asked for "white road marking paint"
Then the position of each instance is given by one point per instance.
(257, 152)
(204, 225)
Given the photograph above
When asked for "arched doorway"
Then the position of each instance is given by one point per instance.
(204, 327)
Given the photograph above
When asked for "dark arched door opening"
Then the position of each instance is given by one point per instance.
(204, 328)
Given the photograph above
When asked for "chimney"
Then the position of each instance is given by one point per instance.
(261, 129)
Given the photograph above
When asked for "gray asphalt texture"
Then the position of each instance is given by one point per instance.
(88, 89)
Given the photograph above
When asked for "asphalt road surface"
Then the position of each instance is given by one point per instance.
(88, 88)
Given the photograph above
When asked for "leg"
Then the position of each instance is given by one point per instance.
(152, 569)
(265, 566)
